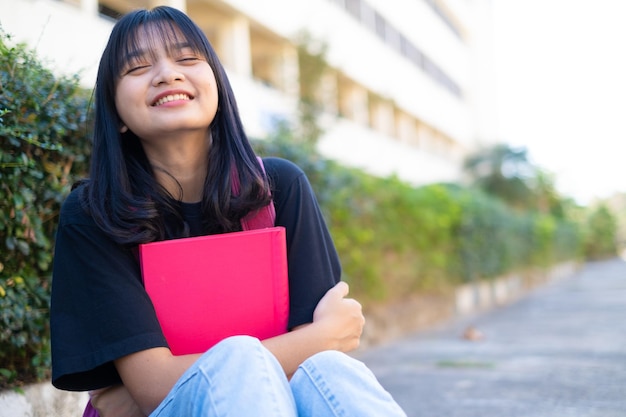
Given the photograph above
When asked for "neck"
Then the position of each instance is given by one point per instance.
(180, 163)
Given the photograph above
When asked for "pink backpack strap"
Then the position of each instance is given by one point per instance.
(90, 411)
(261, 218)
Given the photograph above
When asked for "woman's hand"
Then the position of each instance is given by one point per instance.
(341, 318)
(115, 401)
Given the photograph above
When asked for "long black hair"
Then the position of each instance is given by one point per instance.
(122, 194)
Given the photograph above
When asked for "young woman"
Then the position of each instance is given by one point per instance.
(168, 140)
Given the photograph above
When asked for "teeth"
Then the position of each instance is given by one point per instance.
(171, 97)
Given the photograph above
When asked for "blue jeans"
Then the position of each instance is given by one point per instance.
(239, 377)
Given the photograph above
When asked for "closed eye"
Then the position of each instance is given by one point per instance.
(186, 54)
(189, 59)
(135, 69)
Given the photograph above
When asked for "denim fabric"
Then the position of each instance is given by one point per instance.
(238, 377)
(334, 384)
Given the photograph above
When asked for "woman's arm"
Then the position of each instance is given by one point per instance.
(150, 374)
(338, 322)
(337, 325)
(114, 401)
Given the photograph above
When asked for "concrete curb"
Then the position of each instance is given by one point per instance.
(42, 400)
(480, 296)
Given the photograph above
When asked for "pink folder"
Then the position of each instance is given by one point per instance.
(207, 288)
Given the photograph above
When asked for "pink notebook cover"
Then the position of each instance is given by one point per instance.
(207, 288)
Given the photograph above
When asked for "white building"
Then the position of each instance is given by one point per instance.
(409, 87)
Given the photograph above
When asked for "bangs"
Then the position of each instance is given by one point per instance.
(152, 33)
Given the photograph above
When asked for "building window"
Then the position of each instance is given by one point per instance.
(354, 8)
(381, 25)
(376, 23)
(109, 12)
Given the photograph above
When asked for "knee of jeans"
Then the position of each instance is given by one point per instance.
(331, 359)
(232, 351)
(238, 344)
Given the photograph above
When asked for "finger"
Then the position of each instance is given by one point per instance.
(341, 289)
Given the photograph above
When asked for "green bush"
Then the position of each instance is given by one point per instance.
(42, 146)
(601, 239)
(394, 239)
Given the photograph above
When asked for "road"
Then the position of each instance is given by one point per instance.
(558, 352)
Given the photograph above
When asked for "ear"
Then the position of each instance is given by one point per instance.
(123, 129)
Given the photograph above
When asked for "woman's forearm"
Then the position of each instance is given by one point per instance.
(149, 375)
(337, 325)
(293, 348)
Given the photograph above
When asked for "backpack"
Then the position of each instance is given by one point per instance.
(261, 218)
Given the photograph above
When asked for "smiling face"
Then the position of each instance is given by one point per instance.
(166, 86)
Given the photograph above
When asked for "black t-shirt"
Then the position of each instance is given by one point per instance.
(101, 312)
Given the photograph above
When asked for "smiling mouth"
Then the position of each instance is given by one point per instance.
(172, 97)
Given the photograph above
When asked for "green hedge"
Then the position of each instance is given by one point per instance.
(42, 145)
(394, 239)
(602, 228)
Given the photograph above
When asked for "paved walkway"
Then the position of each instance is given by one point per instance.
(559, 352)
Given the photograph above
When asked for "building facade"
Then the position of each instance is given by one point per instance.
(407, 89)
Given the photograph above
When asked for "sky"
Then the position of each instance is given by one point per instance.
(561, 88)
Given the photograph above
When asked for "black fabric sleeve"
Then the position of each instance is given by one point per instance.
(314, 266)
(99, 309)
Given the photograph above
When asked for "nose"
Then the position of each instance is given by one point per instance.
(167, 73)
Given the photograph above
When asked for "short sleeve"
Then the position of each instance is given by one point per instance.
(99, 309)
(313, 262)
